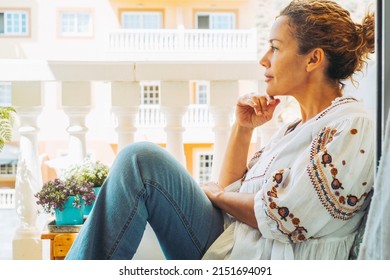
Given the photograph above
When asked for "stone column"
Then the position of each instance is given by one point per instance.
(76, 103)
(223, 97)
(125, 98)
(175, 98)
(27, 100)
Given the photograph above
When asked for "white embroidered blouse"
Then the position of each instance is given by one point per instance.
(310, 187)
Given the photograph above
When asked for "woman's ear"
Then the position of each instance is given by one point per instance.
(316, 58)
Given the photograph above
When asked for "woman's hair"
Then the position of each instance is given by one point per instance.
(324, 24)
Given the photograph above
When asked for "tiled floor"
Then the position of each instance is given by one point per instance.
(9, 222)
(149, 248)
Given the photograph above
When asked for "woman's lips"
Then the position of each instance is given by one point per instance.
(268, 78)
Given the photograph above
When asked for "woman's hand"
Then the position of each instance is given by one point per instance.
(212, 190)
(253, 110)
(239, 205)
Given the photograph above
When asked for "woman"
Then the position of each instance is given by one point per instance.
(302, 196)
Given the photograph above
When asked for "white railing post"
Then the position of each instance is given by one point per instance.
(7, 198)
(221, 112)
(27, 99)
(76, 103)
(125, 99)
(174, 102)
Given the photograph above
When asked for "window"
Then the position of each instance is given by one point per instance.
(5, 94)
(76, 24)
(142, 20)
(14, 23)
(201, 94)
(215, 20)
(204, 166)
(8, 169)
(150, 93)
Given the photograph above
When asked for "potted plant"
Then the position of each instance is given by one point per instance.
(7, 115)
(66, 199)
(93, 172)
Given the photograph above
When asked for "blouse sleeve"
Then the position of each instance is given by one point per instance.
(324, 187)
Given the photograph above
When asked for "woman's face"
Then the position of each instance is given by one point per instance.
(285, 70)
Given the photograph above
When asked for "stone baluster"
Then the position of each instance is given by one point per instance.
(27, 100)
(175, 99)
(125, 98)
(223, 97)
(76, 103)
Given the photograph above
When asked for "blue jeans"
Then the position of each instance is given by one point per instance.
(146, 184)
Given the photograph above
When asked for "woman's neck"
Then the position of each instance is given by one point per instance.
(315, 100)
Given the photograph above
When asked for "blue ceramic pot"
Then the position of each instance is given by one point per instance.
(70, 215)
(88, 208)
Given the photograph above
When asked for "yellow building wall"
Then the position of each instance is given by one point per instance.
(176, 13)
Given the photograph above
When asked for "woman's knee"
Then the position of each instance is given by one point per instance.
(139, 149)
(144, 155)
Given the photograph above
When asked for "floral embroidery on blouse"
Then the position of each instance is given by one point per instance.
(255, 158)
(339, 204)
(335, 103)
(245, 179)
(292, 228)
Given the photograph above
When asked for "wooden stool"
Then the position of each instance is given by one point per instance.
(60, 243)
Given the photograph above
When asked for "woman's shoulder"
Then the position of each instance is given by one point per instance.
(346, 107)
(346, 112)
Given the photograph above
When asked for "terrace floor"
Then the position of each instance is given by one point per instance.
(9, 222)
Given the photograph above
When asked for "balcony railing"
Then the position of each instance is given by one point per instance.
(241, 44)
(150, 116)
(197, 115)
(7, 198)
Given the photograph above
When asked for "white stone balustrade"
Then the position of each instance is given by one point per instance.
(174, 102)
(27, 99)
(125, 102)
(7, 198)
(198, 115)
(150, 116)
(141, 40)
(223, 97)
(76, 103)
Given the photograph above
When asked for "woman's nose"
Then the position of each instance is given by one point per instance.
(264, 61)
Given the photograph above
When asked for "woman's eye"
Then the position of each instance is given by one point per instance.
(274, 49)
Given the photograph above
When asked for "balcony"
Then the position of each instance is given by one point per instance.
(197, 115)
(184, 44)
(94, 104)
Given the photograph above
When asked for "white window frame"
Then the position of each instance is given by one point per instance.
(5, 94)
(22, 19)
(213, 18)
(142, 19)
(8, 169)
(76, 29)
(202, 92)
(198, 168)
(150, 93)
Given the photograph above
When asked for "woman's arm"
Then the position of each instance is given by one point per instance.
(235, 161)
(239, 205)
(251, 111)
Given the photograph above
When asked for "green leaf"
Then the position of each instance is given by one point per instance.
(7, 115)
